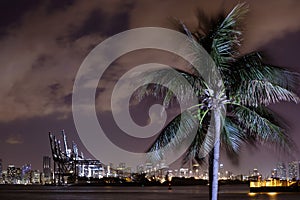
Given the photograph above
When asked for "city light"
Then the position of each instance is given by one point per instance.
(252, 194)
(272, 193)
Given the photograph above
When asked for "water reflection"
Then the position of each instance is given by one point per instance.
(273, 195)
(229, 192)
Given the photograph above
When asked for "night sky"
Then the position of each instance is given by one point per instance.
(43, 43)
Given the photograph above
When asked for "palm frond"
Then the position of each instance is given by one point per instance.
(220, 36)
(259, 92)
(232, 136)
(227, 37)
(166, 83)
(272, 117)
(282, 77)
(173, 134)
(251, 67)
(206, 27)
(194, 150)
(261, 128)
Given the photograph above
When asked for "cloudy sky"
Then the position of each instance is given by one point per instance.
(43, 43)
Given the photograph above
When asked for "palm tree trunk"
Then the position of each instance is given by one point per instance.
(210, 171)
(216, 153)
(215, 171)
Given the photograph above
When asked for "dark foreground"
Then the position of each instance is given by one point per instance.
(227, 192)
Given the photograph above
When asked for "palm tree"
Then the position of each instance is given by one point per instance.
(250, 85)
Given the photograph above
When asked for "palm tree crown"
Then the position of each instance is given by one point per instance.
(250, 86)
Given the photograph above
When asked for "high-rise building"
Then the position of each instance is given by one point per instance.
(274, 173)
(11, 174)
(26, 170)
(1, 174)
(122, 166)
(293, 173)
(255, 172)
(47, 169)
(47, 166)
(0, 168)
(18, 179)
(281, 171)
(35, 177)
(221, 171)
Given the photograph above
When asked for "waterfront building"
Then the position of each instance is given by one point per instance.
(46, 170)
(281, 171)
(221, 171)
(183, 172)
(1, 175)
(26, 173)
(4, 177)
(11, 174)
(123, 170)
(255, 172)
(274, 173)
(140, 168)
(18, 179)
(0, 168)
(35, 176)
(293, 172)
(91, 170)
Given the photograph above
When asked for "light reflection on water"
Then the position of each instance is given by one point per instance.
(232, 192)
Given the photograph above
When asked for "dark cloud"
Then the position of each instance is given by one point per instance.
(67, 99)
(102, 23)
(14, 139)
(54, 88)
(12, 11)
(41, 61)
(118, 23)
(59, 5)
(95, 23)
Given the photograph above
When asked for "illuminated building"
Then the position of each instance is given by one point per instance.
(281, 171)
(35, 177)
(140, 168)
(270, 185)
(0, 167)
(90, 170)
(293, 173)
(274, 173)
(123, 171)
(184, 172)
(11, 174)
(46, 170)
(0, 170)
(255, 172)
(221, 171)
(26, 170)
(1, 175)
(18, 179)
(122, 166)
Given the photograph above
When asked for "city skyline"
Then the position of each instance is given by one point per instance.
(25, 174)
(43, 44)
(288, 170)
